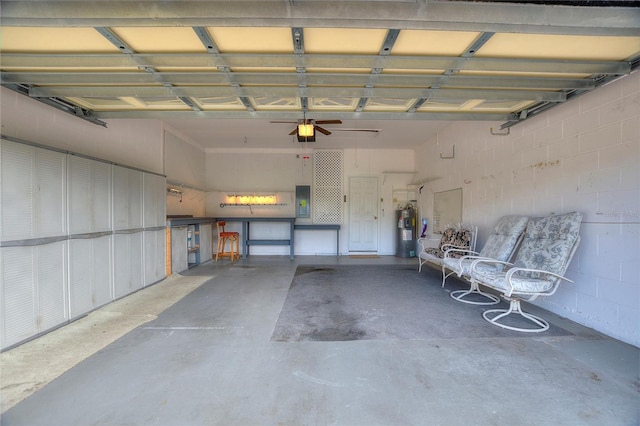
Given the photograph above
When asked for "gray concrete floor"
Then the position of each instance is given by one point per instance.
(196, 349)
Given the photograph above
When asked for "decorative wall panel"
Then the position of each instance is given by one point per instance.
(328, 186)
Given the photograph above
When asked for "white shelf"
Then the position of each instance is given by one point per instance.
(384, 174)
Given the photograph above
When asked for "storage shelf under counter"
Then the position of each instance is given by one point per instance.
(189, 242)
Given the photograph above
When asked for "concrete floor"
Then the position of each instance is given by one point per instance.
(196, 349)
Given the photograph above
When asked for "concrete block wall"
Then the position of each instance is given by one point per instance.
(134, 143)
(583, 155)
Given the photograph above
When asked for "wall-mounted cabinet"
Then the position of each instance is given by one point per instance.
(76, 233)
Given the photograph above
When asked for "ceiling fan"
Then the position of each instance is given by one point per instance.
(306, 128)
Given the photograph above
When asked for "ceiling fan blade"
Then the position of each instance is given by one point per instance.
(323, 131)
(293, 132)
(328, 121)
(288, 122)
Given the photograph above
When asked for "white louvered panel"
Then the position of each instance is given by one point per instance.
(127, 198)
(79, 187)
(127, 263)
(80, 272)
(18, 294)
(52, 305)
(135, 199)
(89, 195)
(101, 196)
(121, 265)
(154, 256)
(101, 271)
(154, 200)
(149, 204)
(50, 190)
(327, 183)
(120, 198)
(17, 191)
(137, 261)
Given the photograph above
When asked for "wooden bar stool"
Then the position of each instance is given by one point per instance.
(234, 242)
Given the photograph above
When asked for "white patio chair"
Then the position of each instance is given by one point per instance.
(543, 257)
(461, 238)
(500, 245)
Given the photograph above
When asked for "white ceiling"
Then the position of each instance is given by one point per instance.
(219, 72)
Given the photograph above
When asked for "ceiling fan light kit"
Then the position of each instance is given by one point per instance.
(305, 130)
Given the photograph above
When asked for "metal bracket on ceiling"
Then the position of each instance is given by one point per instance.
(115, 40)
(477, 44)
(389, 41)
(361, 104)
(190, 103)
(247, 103)
(297, 34)
(417, 104)
(206, 40)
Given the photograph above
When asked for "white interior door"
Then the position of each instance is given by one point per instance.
(363, 214)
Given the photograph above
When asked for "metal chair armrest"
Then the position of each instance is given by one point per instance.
(479, 260)
(549, 292)
(424, 243)
(460, 250)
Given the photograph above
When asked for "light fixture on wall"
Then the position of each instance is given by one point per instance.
(251, 200)
(175, 192)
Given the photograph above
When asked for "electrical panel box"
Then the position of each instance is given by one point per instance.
(303, 201)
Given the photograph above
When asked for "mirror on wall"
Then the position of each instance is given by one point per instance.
(447, 209)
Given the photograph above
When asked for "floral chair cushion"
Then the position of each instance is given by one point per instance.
(496, 279)
(447, 238)
(451, 238)
(548, 242)
(503, 238)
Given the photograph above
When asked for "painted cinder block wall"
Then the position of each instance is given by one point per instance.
(583, 155)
